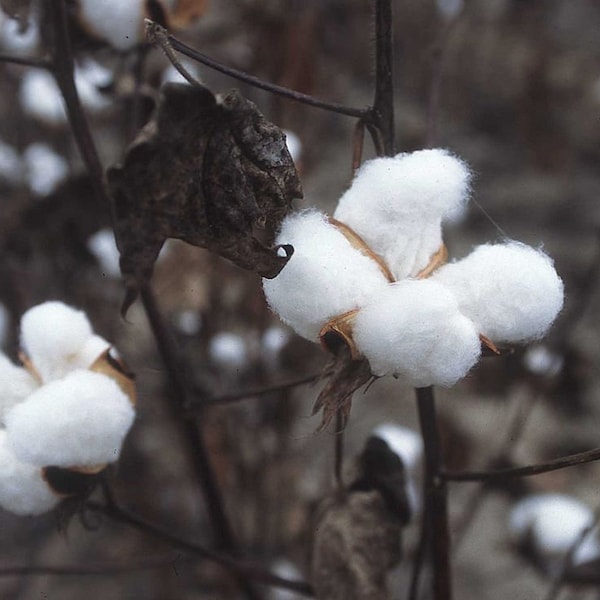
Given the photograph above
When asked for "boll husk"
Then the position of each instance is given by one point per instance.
(414, 329)
(78, 421)
(510, 291)
(397, 205)
(326, 276)
(23, 490)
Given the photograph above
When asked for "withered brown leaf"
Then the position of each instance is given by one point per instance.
(211, 171)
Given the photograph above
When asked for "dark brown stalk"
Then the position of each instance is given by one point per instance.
(436, 496)
(26, 61)
(241, 569)
(338, 461)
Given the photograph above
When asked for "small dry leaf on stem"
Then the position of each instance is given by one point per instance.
(208, 170)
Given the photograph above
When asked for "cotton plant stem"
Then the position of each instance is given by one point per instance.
(26, 61)
(436, 496)
(338, 461)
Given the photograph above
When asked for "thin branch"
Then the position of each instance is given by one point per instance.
(436, 496)
(264, 85)
(241, 569)
(26, 61)
(554, 465)
(199, 405)
(108, 568)
(338, 451)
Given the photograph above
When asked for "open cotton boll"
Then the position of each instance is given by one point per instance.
(404, 442)
(16, 383)
(80, 420)
(120, 23)
(23, 490)
(552, 523)
(511, 291)
(104, 247)
(40, 96)
(52, 335)
(11, 166)
(44, 167)
(325, 276)
(228, 350)
(89, 76)
(397, 204)
(414, 329)
(15, 38)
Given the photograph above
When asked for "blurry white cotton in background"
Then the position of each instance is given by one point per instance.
(40, 97)
(273, 341)
(449, 8)
(11, 166)
(188, 321)
(45, 168)
(228, 351)
(540, 360)
(16, 38)
(294, 145)
(103, 246)
(172, 75)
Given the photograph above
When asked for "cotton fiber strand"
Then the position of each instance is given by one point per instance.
(16, 383)
(23, 490)
(79, 420)
(511, 291)
(52, 334)
(325, 276)
(414, 329)
(396, 204)
(554, 522)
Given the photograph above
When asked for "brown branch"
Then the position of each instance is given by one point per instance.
(198, 405)
(527, 471)
(26, 61)
(264, 85)
(241, 569)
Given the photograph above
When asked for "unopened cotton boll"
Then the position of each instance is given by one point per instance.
(397, 204)
(80, 420)
(52, 336)
(23, 490)
(414, 329)
(553, 523)
(510, 291)
(118, 22)
(16, 383)
(325, 276)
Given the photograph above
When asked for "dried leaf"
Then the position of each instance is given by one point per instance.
(207, 170)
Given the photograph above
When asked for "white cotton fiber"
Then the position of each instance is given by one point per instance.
(397, 204)
(415, 330)
(23, 490)
(119, 22)
(15, 385)
(553, 522)
(40, 96)
(511, 291)
(404, 442)
(45, 169)
(325, 276)
(104, 247)
(228, 350)
(52, 335)
(80, 420)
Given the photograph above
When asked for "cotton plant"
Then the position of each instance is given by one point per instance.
(68, 407)
(375, 275)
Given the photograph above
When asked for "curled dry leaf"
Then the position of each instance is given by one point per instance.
(211, 171)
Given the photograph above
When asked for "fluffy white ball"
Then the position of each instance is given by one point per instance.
(325, 277)
(79, 420)
(511, 291)
(397, 204)
(554, 522)
(15, 385)
(414, 329)
(23, 490)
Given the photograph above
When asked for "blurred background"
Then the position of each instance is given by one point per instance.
(511, 86)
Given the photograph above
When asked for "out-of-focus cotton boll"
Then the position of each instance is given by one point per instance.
(52, 335)
(540, 360)
(80, 420)
(228, 351)
(510, 291)
(11, 166)
(89, 76)
(188, 321)
(17, 39)
(414, 329)
(41, 98)
(120, 23)
(273, 341)
(288, 570)
(23, 490)
(16, 383)
(397, 204)
(294, 145)
(553, 523)
(172, 75)
(103, 246)
(45, 168)
(325, 276)
(449, 8)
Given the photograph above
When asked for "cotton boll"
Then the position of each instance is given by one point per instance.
(511, 291)
(294, 145)
(16, 39)
(540, 360)
(80, 420)
(89, 76)
(23, 490)
(89, 352)
(52, 335)
(414, 329)
(16, 383)
(41, 98)
(553, 523)
(397, 204)
(11, 166)
(171, 74)
(45, 168)
(228, 350)
(325, 276)
(119, 23)
(272, 342)
(104, 247)
(288, 570)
